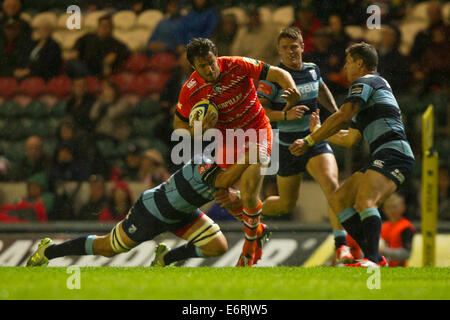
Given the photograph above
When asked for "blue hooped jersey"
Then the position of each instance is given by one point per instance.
(184, 192)
(308, 81)
(379, 117)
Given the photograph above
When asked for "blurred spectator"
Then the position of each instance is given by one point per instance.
(97, 199)
(36, 204)
(200, 21)
(340, 38)
(225, 34)
(329, 60)
(98, 54)
(79, 106)
(35, 160)
(430, 43)
(152, 171)
(308, 23)
(11, 10)
(392, 65)
(118, 204)
(45, 59)
(397, 233)
(132, 163)
(67, 165)
(169, 96)
(256, 40)
(444, 193)
(423, 39)
(166, 36)
(5, 166)
(435, 64)
(110, 113)
(14, 49)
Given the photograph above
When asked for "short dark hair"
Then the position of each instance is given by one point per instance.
(364, 51)
(291, 33)
(199, 47)
(107, 17)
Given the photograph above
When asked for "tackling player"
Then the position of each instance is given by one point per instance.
(171, 206)
(293, 124)
(228, 83)
(374, 114)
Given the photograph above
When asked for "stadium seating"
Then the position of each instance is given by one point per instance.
(149, 19)
(137, 63)
(265, 14)
(125, 19)
(58, 109)
(33, 87)
(67, 38)
(10, 110)
(163, 62)
(44, 17)
(59, 86)
(146, 108)
(124, 81)
(8, 87)
(94, 85)
(355, 32)
(239, 13)
(36, 110)
(283, 16)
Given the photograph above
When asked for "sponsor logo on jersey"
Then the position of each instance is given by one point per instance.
(308, 87)
(252, 61)
(191, 83)
(230, 102)
(378, 163)
(202, 168)
(132, 229)
(356, 89)
(264, 88)
(398, 175)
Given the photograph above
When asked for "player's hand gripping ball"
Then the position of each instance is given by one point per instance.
(206, 112)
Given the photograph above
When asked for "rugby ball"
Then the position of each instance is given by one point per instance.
(201, 110)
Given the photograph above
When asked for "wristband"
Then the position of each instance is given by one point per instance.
(309, 141)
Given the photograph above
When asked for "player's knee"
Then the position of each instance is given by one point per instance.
(287, 205)
(103, 247)
(336, 202)
(362, 203)
(216, 247)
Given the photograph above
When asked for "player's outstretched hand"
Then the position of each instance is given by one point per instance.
(296, 112)
(298, 147)
(292, 97)
(314, 120)
(226, 197)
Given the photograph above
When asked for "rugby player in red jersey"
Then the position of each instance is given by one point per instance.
(228, 83)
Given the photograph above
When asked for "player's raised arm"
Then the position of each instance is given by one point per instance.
(344, 138)
(285, 80)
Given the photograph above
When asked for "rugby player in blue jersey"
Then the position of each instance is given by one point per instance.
(293, 123)
(172, 206)
(374, 114)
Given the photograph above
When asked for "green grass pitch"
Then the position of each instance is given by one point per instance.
(207, 283)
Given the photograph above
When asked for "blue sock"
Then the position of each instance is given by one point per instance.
(350, 220)
(340, 238)
(371, 223)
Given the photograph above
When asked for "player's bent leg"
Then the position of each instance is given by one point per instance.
(205, 239)
(108, 246)
(117, 241)
(285, 202)
(342, 201)
(323, 168)
(373, 188)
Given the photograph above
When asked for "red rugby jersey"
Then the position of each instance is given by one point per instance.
(234, 94)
